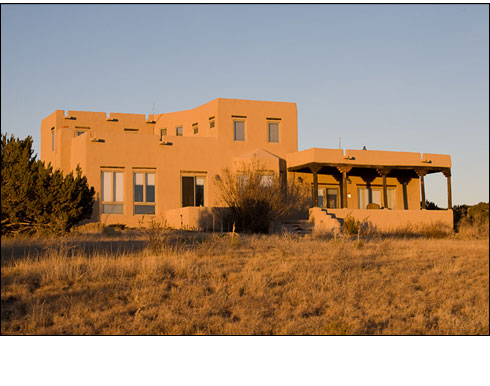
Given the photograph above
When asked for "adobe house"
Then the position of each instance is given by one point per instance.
(165, 166)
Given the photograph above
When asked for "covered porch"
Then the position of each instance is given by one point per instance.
(369, 179)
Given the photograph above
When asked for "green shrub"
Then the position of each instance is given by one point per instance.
(351, 225)
(36, 198)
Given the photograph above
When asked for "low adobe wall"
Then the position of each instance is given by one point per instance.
(199, 218)
(381, 219)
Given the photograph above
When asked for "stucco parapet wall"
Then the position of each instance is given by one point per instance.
(102, 117)
(367, 158)
(381, 219)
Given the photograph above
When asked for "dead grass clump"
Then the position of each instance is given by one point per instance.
(435, 230)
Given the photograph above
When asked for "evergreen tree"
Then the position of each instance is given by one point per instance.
(37, 198)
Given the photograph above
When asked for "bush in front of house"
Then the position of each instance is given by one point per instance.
(257, 196)
(37, 198)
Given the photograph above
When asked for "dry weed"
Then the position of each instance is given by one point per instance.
(247, 284)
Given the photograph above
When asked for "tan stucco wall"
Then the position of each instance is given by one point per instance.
(204, 154)
(381, 220)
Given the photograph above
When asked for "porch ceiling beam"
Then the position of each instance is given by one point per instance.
(427, 169)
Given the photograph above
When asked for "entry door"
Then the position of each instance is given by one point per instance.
(187, 191)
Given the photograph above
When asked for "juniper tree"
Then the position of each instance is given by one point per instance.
(35, 197)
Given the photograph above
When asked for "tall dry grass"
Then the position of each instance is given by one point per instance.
(195, 283)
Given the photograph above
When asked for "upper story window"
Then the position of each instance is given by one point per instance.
(52, 139)
(130, 130)
(112, 192)
(179, 131)
(239, 130)
(163, 133)
(211, 122)
(273, 132)
(195, 128)
(144, 193)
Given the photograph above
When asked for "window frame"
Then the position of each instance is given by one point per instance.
(113, 183)
(177, 131)
(244, 130)
(146, 203)
(391, 190)
(269, 122)
(163, 133)
(53, 139)
(195, 176)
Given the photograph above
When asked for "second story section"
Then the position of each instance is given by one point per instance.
(238, 126)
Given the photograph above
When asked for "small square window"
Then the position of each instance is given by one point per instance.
(179, 131)
(239, 130)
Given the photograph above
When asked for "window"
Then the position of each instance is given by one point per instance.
(52, 139)
(163, 133)
(128, 130)
(375, 195)
(332, 198)
(193, 190)
(239, 130)
(273, 132)
(144, 193)
(80, 132)
(211, 123)
(195, 127)
(320, 198)
(266, 181)
(179, 131)
(112, 192)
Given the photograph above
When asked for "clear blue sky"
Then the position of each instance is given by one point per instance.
(390, 77)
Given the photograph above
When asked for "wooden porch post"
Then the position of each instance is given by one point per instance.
(447, 174)
(315, 169)
(344, 170)
(404, 182)
(421, 173)
(384, 172)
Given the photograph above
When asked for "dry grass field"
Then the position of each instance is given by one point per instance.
(195, 283)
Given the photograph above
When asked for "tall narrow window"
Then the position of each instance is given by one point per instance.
(273, 132)
(52, 139)
(239, 130)
(144, 193)
(195, 128)
(179, 131)
(332, 198)
(112, 192)
(163, 133)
